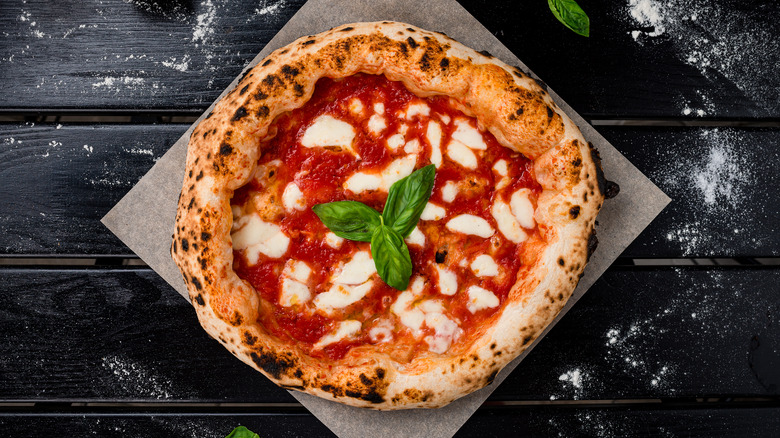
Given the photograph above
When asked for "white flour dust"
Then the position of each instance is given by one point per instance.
(713, 176)
(738, 44)
(573, 383)
(136, 379)
(180, 65)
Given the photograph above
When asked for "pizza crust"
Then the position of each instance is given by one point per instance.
(223, 152)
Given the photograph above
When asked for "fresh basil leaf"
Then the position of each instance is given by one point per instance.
(391, 257)
(407, 198)
(571, 15)
(349, 219)
(242, 432)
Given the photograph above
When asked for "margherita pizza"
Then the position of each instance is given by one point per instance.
(501, 241)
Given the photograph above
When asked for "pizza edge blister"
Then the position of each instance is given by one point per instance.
(223, 151)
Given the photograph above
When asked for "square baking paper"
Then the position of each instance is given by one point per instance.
(144, 218)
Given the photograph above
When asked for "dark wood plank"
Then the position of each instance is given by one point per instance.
(124, 335)
(719, 209)
(523, 421)
(178, 56)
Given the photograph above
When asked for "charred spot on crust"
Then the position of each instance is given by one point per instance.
(444, 63)
(275, 365)
(240, 113)
(289, 71)
(380, 373)
(593, 242)
(199, 299)
(346, 29)
(185, 244)
(298, 373)
(195, 282)
(249, 338)
(541, 83)
(308, 42)
(485, 53)
(410, 29)
(260, 95)
(271, 80)
(549, 112)
(412, 43)
(243, 90)
(493, 346)
(527, 340)
(441, 256)
(199, 176)
(204, 236)
(612, 190)
(263, 111)
(298, 89)
(225, 149)
(600, 179)
(561, 261)
(491, 377)
(574, 212)
(191, 204)
(267, 62)
(205, 134)
(174, 247)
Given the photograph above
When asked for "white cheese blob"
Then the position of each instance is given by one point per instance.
(379, 108)
(341, 295)
(346, 329)
(522, 208)
(507, 222)
(470, 224)
(329, 131)
(356, 271)
(461, 154)
(416, 237)
(292, 198)
(484, 266)
(433, 134)
(333, 240)
(297, 270)
(480, 299)
(376, 124)
(398, 169)
(416, 109)
(444, 118)
(501, 168)
(446, 332)
(255, 237)
(449, 192)
(395, 141)
(293, 293)
(468, 135)
(236, 210)
(448, 281)
(381, 332)
(410, 317)
(356, 106)
(432, 212)
(412, 146)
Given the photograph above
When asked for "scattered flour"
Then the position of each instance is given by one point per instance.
(268, 9)
(88, 148)
(136, 379)
(182, 65)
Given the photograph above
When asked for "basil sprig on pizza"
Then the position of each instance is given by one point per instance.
(291, 266)
(353, 220)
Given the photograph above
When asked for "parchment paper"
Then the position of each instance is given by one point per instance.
(144, 218)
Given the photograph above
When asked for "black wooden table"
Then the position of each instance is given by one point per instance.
(680, 337)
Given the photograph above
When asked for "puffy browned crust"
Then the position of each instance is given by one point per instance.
(223, 152)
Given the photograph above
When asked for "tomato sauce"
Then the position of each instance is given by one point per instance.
(320, 174)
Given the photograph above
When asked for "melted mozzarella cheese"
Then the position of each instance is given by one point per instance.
(333, 240)
(376, 124)
(329, 131)
(432, 212)
(444, 118)
(433, 133)
(356, 106)
(381, 332)
(255, 237)
(356, 271)
(480, 298)
(412, 318)
(522, 208)
(501, 168)
(416, 109)
(461, 154)
(448, 281)
(379, 108)
(341, 295)
(346, 329)
(293, 293)
(449, 192)
(446, 332)
(292, 198)
(416, 237)
(484, 266)
(398, 169)
(297, 270)
(395, 142)
(412, 146)
(507, 223)
(470, 224)
(468, 135)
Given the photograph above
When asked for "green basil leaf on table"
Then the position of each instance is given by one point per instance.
(406, 200)
(242, 432)
(349, 219)
(391, 257)
(571, 15)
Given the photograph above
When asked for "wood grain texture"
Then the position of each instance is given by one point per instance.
(56, 184)
(643, 421)
(125, 335)
(707, 58)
